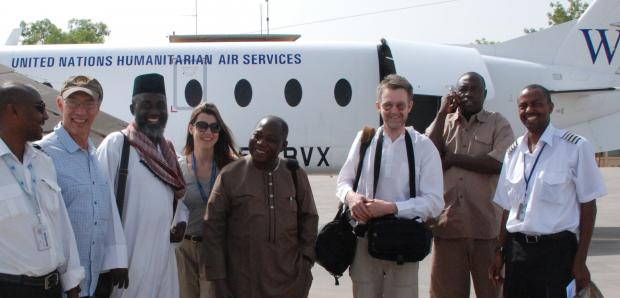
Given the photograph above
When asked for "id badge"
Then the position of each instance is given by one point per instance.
(41, 235)
(521, 212)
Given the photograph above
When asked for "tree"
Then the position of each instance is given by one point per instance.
(559, 14)
(79, 31)
(484, 41)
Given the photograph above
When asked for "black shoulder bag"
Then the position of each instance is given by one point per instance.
(398, 239)
(335, 243)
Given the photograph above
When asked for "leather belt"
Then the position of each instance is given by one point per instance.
(194, 239)
(541, 238)
(47, 281)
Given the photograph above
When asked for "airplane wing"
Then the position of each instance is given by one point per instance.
(103, 125)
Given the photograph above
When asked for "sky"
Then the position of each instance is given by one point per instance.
(140, 22)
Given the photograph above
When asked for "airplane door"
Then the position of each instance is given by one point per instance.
(424, 111)
(190, 86)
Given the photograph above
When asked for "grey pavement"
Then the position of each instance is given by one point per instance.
(603, 260)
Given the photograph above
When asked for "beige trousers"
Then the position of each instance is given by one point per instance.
(374, 278)
(454, 260)
(191, 263)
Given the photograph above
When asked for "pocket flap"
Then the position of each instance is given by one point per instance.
(554, 177)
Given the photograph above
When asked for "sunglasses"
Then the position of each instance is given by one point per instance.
(203, 126)
(40, 107)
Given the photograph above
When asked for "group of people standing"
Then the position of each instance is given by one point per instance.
(102, 222)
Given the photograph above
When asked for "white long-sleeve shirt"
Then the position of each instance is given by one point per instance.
(18, 219)
(393, 182)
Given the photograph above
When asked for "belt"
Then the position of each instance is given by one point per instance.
(194, 239)
(541, 238)
(47, 281)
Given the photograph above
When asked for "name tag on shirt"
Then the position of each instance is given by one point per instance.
(41, 235)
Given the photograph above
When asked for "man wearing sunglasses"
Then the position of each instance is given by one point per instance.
(472, 143)
(86, 189)
(154, 184)
(39, 256)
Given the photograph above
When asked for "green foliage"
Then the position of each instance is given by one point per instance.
(484, 41)
(79, 31)
(559, 14)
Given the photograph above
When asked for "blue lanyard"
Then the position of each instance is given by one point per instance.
(528, 177)
(30, 193)
(201, 189)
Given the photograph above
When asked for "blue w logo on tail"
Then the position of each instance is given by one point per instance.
(609, 52)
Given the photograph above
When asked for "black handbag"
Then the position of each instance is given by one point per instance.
(398, 239)
(335, 243)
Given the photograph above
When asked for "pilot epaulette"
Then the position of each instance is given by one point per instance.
(571, 137)
(512, 148)
(38, 147)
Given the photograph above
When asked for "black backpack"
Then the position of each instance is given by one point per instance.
(336, 242)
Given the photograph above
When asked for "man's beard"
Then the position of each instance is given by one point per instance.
(152, 132)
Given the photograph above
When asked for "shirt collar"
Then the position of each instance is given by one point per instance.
(481, 116)
(546, 137)
(29, 152)
(67, 141)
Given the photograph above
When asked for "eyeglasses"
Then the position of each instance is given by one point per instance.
(388, 106)
(203, 126)
(74, 104)
(40, 107)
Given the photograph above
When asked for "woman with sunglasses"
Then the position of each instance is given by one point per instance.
(209, 147)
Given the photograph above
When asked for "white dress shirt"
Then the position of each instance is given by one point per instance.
(565, 176)
(393, 182)
(18, 219)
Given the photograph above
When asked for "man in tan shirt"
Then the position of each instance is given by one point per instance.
(472, 143)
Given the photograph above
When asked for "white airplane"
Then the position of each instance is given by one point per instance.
(326, 92)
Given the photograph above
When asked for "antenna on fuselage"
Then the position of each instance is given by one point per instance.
(267, 16)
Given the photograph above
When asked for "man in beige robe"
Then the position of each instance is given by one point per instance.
(259, 229)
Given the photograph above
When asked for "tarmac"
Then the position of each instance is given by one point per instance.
(603, 257)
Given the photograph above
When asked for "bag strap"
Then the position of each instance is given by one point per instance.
(365, 140)
(292, 166)
(123, 172)
(410, 160)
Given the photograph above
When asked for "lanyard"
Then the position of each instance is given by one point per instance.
(201, 189)
(30, 193)
(528, 177)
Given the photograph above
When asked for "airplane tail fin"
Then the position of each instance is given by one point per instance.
(592, 41)
(13, 39)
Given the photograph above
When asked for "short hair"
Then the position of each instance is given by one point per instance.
(476, 75)
(13, 92)
(544, 90)
(393, 82)
(278, 120)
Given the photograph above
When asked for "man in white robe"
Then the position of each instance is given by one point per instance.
(154, 184)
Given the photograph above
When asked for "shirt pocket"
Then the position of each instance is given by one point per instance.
(286, 213)
(49, 195)
(553, 186)
(483, 142)
(12, 201)
(515, 188)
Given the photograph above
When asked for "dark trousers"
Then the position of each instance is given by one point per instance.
(11, 290)
(539, 267)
